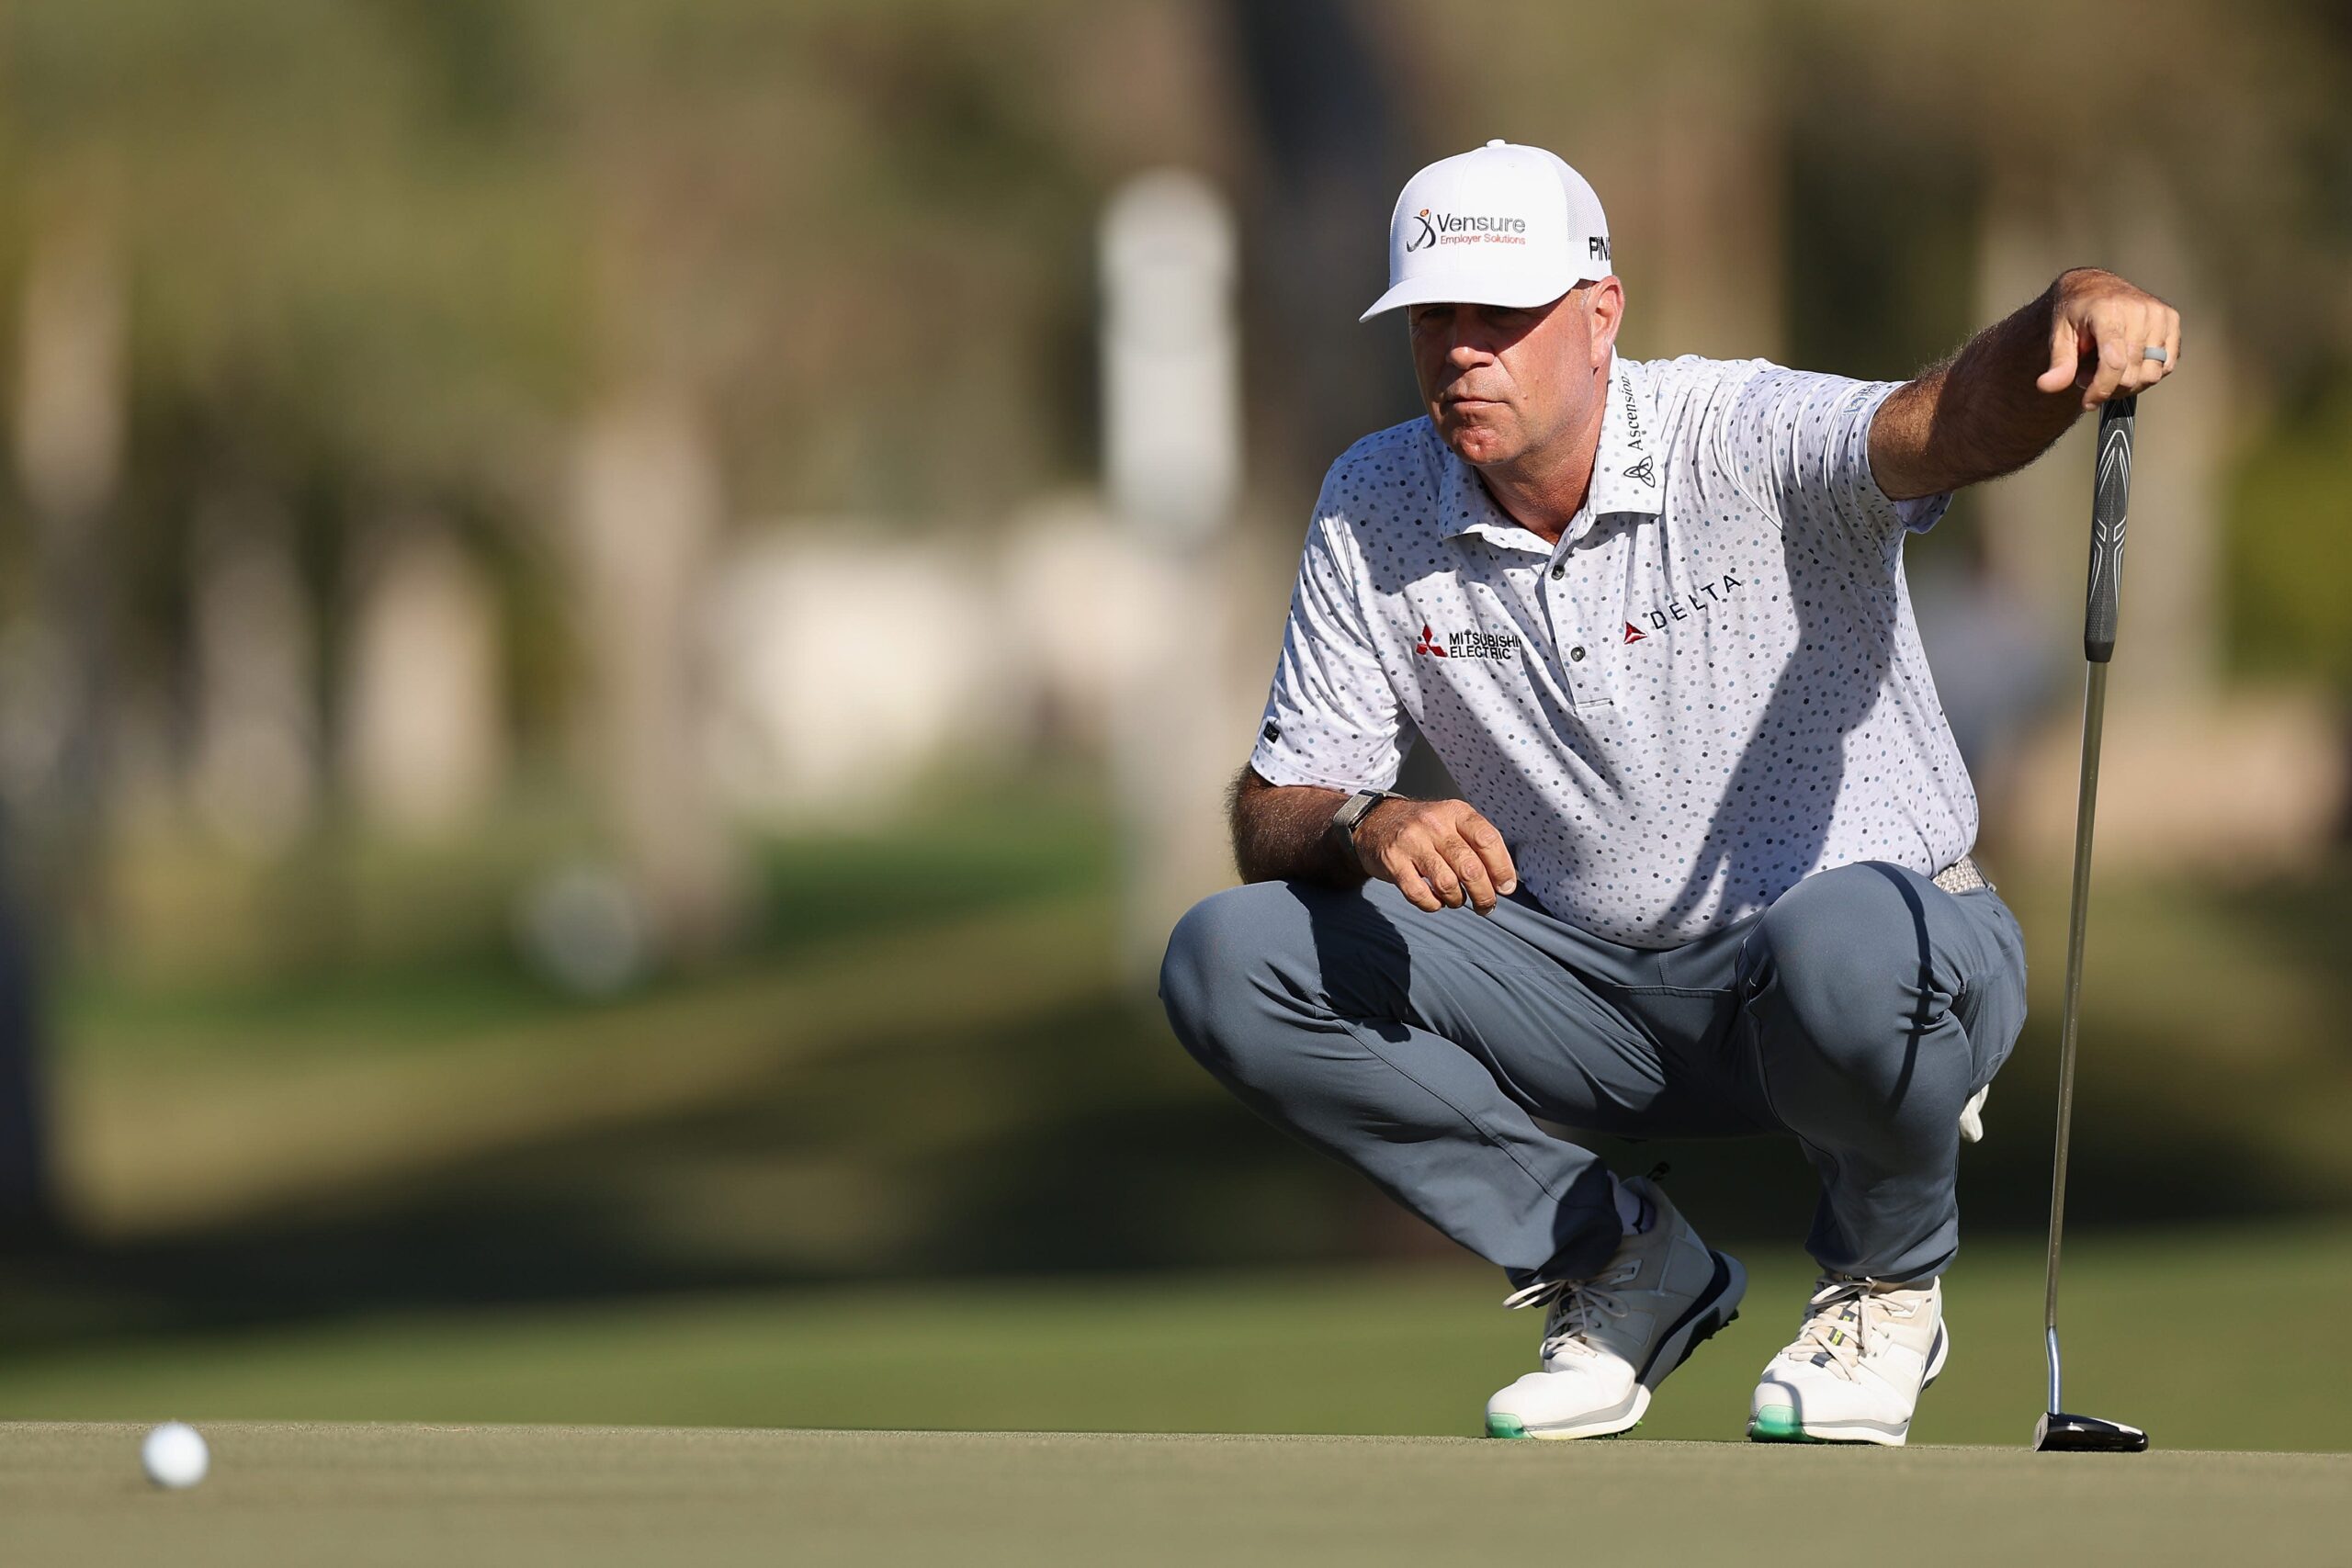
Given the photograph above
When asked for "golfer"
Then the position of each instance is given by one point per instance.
(1711, 875)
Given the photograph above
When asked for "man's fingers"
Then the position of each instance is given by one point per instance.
(1415, 888)
(2130, 331)
(2148, 332)
(2100, 335)
(2110, 370)
(1439, 876)
(1472, 871)
(2164, 332)
(1444, 856)
(1488, 842)
(2063, 355)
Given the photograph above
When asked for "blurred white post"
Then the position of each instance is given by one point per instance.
(1171, 427)
(425, 741)
(645, 518)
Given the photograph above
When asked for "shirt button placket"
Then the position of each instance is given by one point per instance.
(1566, 623)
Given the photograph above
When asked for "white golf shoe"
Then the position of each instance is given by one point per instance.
(1855, 1370)
(1610, 1340)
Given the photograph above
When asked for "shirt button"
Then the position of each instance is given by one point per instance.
(1559, 571)
(1577, 655)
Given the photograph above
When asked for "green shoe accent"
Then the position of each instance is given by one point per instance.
(1512, 1427)
(1777, 1424)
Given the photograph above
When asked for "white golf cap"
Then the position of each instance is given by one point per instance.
(1503, 225)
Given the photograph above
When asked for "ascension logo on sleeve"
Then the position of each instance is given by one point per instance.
(1641, 469)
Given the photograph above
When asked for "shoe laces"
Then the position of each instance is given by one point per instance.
(1839, 1319)
(1579, 1308)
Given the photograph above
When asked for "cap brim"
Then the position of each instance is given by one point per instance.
(1434, 290)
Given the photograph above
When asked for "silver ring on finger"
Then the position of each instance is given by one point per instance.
(2157, 353)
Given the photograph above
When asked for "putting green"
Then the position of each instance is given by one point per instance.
(582, 1496)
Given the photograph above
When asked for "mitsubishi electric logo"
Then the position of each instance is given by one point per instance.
(1457, 228)
(1468, 645)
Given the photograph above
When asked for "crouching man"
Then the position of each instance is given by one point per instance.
(1712, 874)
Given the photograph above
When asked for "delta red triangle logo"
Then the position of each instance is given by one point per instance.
(1635, 633)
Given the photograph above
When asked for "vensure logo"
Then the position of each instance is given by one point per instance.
(1459, 229)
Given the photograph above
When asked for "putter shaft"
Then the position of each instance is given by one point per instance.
(2077, 921)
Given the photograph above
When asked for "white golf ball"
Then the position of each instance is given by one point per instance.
(174, 1456)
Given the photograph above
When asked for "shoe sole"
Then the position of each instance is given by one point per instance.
(1716, 1308)
(1778, 1423)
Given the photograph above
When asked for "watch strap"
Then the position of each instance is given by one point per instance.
(1354, 810)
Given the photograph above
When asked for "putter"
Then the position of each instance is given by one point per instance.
(2057, 1431)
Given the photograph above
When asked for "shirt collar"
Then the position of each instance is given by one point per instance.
(1625, 475)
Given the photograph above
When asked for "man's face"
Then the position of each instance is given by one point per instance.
(1502, 384)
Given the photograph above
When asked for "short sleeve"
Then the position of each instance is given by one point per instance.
(1803, 440)
(1332, 719)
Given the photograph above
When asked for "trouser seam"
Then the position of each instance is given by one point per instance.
(1370, 1041)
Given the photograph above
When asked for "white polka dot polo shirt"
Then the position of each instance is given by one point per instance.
(1710, 688)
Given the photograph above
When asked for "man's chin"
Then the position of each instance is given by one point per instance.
(1475, 441)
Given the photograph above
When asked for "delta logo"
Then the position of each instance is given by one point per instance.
(1464, 228)
(1467, 645)
(1707, 596)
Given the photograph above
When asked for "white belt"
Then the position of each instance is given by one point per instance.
(1960, 877)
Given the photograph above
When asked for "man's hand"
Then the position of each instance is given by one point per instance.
(2100, 331)
(2015, 386)
(1438, 852)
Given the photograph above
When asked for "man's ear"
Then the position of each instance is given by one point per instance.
(1606, 301)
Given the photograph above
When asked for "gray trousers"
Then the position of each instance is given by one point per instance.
(1857, 1014)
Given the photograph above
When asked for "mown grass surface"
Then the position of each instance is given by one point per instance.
(584, 1496)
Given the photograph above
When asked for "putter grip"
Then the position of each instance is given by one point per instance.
(2110, 502)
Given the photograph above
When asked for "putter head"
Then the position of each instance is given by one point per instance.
(2059, 1433)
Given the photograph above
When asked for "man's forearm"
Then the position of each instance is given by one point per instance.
(1976, 416)
(1999, 404)
(1283, 832)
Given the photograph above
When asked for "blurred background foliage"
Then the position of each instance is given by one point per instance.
(336, 329)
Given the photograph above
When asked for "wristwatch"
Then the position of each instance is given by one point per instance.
(1342, 828)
